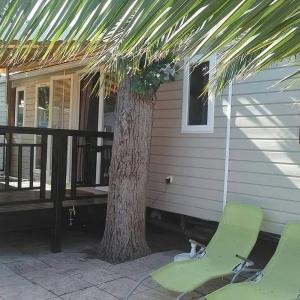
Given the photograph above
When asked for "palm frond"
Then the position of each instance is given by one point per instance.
(250, 34)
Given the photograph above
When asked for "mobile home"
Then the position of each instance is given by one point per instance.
(242, 145)
(245, 148)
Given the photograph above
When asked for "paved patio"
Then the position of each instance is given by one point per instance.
(29, 271)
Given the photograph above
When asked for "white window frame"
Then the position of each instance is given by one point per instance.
(185, 127)
(73, 105)
(20, 89)
(39, 85)
(36, 116)
(61, 77)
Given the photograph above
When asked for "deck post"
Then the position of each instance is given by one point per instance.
(8, 160)
(58, 185)
(43, 166)
(31, 163)
(74, 166)
(20, 161)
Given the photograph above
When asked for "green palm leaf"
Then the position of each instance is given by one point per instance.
(249, 34)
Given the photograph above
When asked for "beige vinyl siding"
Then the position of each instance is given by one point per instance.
(3, 105)
(264, 148)
(264, 165)
(196, 161)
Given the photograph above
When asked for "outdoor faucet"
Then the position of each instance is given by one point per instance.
(72, 212)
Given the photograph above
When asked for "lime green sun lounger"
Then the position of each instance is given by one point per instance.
(280, 280)
(236, 234)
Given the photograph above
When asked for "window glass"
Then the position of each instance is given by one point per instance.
(43, 107)
(61, 103)
(20, 108)
(198, 100)
(109, 111)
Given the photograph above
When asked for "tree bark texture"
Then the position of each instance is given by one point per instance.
(124, 235)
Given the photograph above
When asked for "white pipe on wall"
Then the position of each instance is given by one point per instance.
(100, 122)
(227, 151)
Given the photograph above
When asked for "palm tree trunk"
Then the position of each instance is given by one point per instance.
(124, 235)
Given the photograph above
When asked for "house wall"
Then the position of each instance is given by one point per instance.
(264, 152)
(264, 147)
(196, 161)
(3, 105)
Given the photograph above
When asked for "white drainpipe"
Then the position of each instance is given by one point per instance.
(227, 151)
(100, 124)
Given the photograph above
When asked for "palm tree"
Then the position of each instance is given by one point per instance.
(128, 38)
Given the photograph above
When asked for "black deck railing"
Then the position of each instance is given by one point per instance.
(62, 155)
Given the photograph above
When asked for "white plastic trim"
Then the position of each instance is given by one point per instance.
(227, 151)
(48, 70)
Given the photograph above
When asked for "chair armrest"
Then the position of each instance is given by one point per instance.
(241, 267)
(246, 261)
(194, 253)
(197, 243)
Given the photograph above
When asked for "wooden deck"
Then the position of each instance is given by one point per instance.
(24, 201)
(30, 200)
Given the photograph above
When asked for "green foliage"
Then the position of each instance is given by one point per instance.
(147, 80)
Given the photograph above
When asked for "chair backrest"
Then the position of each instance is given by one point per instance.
(283, 270)
(242, 215)
(236, 234)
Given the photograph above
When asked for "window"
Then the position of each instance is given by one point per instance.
(110, 102)
(61, 102)
(20, 107)
(198, 106)
(42, 111)
(42, 118)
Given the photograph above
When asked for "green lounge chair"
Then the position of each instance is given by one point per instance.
(280, 280)
(236, 234)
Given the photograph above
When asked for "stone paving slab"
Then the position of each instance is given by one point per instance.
(5, 271)
(151, 295)
(92, 293)
(47, 272)
(60, 284)
(28, 265)
(97, 276)
(120, 287)
(12, 280)
(26, 291)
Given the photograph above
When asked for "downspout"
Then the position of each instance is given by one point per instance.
(100, 123)
(227, 149)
